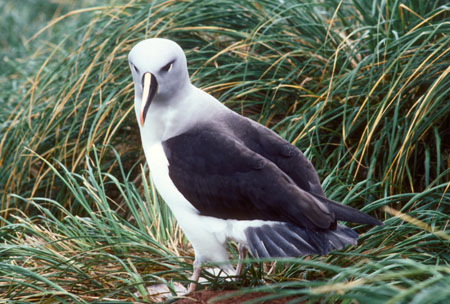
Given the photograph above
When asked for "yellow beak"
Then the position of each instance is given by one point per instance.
(145, 103)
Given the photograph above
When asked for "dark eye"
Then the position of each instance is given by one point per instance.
(168, 66)
(134, 68)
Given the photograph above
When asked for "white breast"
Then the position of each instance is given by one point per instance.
(207, 234)
(159, 170)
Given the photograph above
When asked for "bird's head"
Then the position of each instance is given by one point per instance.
(159, 72)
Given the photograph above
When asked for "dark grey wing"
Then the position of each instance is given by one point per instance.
(223, 178)
(293, 163)
(271, 146)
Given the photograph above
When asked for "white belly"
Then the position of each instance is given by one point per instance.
(207, 234)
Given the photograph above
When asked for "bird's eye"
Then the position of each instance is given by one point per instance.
(168, 66)
(134, 68)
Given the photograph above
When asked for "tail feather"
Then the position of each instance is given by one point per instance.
(342, 236)
(295, 237)
(272, 243)
(287, 240)
(348, 214)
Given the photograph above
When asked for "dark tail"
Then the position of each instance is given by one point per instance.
(348, 214)
(287, 240)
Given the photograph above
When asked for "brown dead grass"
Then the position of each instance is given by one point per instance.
(208, 296)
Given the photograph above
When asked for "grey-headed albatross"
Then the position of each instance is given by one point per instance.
(226, 177)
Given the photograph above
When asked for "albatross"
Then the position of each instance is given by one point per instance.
(227, 177)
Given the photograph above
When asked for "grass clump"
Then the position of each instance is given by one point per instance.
(361, 87)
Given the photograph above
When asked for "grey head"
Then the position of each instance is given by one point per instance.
(159, 72)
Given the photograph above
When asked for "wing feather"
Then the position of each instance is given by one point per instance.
(271, 146)
(224, 178)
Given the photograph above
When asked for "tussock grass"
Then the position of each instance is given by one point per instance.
(361, 87)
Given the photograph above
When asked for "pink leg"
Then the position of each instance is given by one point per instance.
(242, 253)
(195, 276)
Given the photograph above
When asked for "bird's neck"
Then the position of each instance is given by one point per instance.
(166, 119)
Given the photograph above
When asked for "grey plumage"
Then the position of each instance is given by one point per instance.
(287, 240)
